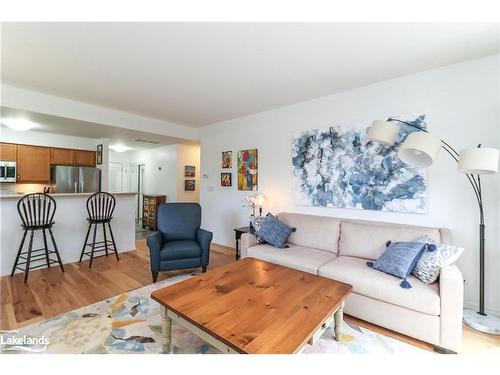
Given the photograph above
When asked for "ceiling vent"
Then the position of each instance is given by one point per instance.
(148, 141)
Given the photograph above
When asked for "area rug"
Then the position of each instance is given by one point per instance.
(130, 323)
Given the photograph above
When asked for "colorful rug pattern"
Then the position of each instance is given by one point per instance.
(130, 323)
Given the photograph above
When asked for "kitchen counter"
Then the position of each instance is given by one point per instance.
(56, 195)
(69, 229)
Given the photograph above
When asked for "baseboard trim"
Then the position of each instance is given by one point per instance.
(475, 306)
(223, 248)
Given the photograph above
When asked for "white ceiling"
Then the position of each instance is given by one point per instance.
(200, 73)
(77, 128)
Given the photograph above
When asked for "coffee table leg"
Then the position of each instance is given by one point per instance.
(338, 317)
(166, 329)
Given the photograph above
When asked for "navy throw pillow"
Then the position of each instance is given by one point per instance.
(274, 231)
(399, 259)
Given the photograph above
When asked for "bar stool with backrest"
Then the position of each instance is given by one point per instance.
(100, 207)
(37, 213)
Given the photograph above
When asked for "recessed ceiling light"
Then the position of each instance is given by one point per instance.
(119, 148)
(18, 124)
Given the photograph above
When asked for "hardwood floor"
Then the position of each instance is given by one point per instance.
(50, 292)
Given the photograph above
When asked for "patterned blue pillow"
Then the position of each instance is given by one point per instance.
(430, 263)
(274, 232)
(399, 259)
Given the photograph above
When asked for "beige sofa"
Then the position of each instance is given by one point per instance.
(339, 249)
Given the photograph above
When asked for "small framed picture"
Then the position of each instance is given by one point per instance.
(225, 179)
(189, 185)
(227, 159)
(189, 171)
(99, 155)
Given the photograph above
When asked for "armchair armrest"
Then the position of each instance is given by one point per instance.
(154, 242)
(451, 293)
(247, 240)
(204, 238)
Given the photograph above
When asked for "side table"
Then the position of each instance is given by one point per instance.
(237, 235)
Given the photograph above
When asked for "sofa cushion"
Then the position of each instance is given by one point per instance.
(300, 258)
(318, 232)
(180, 249)
(374, 284)
(368, 241)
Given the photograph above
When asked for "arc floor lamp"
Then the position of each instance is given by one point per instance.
(420, 150)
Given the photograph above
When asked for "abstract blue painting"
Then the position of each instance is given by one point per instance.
(338, 167)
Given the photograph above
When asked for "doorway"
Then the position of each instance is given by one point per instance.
(140, 190)
(115, 177)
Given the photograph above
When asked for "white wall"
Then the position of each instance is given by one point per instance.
(461, 103)
(16, 97)
(164, 170)
(160, 174)
(47, 139)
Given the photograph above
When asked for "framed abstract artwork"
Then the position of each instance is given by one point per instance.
(340, 167)
(225, 179)
(189, 171)
(189, 185)
(227, 159)
(248, 170)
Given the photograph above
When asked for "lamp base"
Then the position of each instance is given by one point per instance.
(484, 323)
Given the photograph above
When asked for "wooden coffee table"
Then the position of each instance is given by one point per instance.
(253, 306)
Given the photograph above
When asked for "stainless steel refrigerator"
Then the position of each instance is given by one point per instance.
(66, 179)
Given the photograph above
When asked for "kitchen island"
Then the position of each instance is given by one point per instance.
(69, 229)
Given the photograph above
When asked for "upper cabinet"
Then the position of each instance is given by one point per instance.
(65, 156)
(62, 156)
(85, 158)
(8, 152)
(33, 164)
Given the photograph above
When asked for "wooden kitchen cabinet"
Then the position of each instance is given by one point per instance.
(33, 164)
(8, 152)
(62, 156)
(66, 156)
(85, 158)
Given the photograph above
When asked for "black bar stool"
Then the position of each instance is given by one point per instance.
(37, 213)
(100, 207)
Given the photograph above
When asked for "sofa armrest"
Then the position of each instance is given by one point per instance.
(451, 290)
(247, 240)
(154, 242)
(204, 238)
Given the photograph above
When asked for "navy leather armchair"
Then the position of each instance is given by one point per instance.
(179, 242)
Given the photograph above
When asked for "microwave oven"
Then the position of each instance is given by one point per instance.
(7, 171)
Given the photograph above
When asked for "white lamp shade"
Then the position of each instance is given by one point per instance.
(478, 161)
(259, 199)
(420, 149)
(383, 132)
